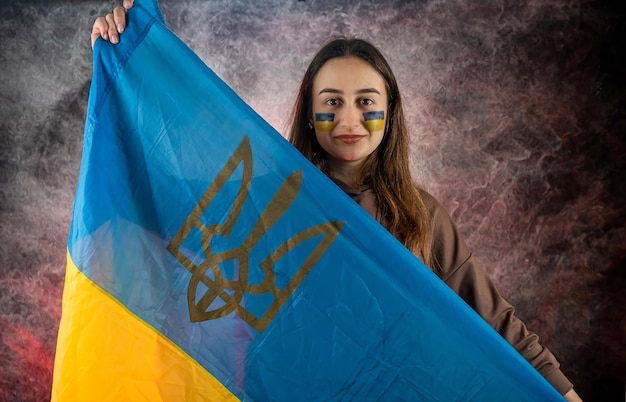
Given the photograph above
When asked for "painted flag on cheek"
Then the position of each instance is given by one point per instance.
(204, 265)
(374, 121)
(324, 122)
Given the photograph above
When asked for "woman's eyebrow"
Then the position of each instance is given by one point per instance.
(330, 90)
(368, 90)
(360, 91)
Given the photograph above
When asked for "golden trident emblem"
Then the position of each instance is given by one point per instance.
(224, 295)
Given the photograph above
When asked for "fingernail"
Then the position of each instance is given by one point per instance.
(114, 39)
(120, 28)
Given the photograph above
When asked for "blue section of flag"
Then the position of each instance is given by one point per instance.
(368, 321)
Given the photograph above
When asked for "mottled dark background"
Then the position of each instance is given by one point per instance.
(517, 113)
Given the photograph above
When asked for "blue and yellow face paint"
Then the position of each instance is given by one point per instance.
(324, 122)
(374, 121)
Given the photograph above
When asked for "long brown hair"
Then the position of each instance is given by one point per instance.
(386, 170)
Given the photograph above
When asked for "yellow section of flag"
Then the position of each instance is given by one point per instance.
(106, 353)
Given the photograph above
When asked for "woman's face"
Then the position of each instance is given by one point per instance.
(349, 109)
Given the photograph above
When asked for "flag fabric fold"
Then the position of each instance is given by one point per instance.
(208, 260)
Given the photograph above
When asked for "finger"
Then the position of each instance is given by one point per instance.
(114, 36)
(119, 17)
(128, 4)
(99, 30)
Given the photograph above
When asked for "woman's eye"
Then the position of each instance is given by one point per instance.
(332, 102)
(366, 102)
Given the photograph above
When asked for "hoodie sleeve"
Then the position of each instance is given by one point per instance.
(457, 267)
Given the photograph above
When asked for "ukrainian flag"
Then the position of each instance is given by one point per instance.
(204, 263)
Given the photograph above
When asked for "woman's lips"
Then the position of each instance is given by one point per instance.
(349, 139)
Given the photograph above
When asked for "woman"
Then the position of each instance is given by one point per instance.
(348, 120)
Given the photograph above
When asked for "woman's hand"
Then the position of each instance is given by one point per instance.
(112, 25)
(572, 396)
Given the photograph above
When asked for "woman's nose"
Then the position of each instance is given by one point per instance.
(351, 117)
